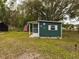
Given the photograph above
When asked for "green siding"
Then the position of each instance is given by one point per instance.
(44, 32)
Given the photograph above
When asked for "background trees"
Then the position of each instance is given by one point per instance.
(16, 15)
(2, 10)
(49, 9)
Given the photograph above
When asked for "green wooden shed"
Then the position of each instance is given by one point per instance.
(44, 28)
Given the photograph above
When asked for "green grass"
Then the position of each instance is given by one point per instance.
(13, 44)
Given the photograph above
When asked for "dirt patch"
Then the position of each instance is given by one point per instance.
(24, 56)
(30, 56)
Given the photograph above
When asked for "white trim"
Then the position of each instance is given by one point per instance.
(55, 27)
(38, 29)
(29, 30)
(47, 37)
(61, 31)
(49, 21)
(34, 35)
(32, 28)
(50, 37)
(33, 22)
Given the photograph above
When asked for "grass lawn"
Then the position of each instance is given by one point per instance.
(15, 44)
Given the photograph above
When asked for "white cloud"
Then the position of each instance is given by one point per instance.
(68, 20)
(15, 4)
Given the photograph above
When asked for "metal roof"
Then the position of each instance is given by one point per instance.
(49, 21)
(36, 22)
(33, 22)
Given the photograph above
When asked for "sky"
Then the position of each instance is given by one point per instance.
(15, 5)
(17, 1)
(68, 20)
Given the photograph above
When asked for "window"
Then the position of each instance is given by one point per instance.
(52, 27)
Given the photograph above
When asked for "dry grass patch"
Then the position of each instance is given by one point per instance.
(14, 45)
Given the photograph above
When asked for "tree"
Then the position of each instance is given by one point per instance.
(13, 16)
(49, 9)
(2, 10)
(40, 10)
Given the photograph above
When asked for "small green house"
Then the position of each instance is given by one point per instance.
(44, 28)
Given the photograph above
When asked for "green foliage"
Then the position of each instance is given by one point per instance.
(36, 10)
(48, 9)
(67, 25)
(3, 12)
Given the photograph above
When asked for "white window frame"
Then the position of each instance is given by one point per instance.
(52, 26)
